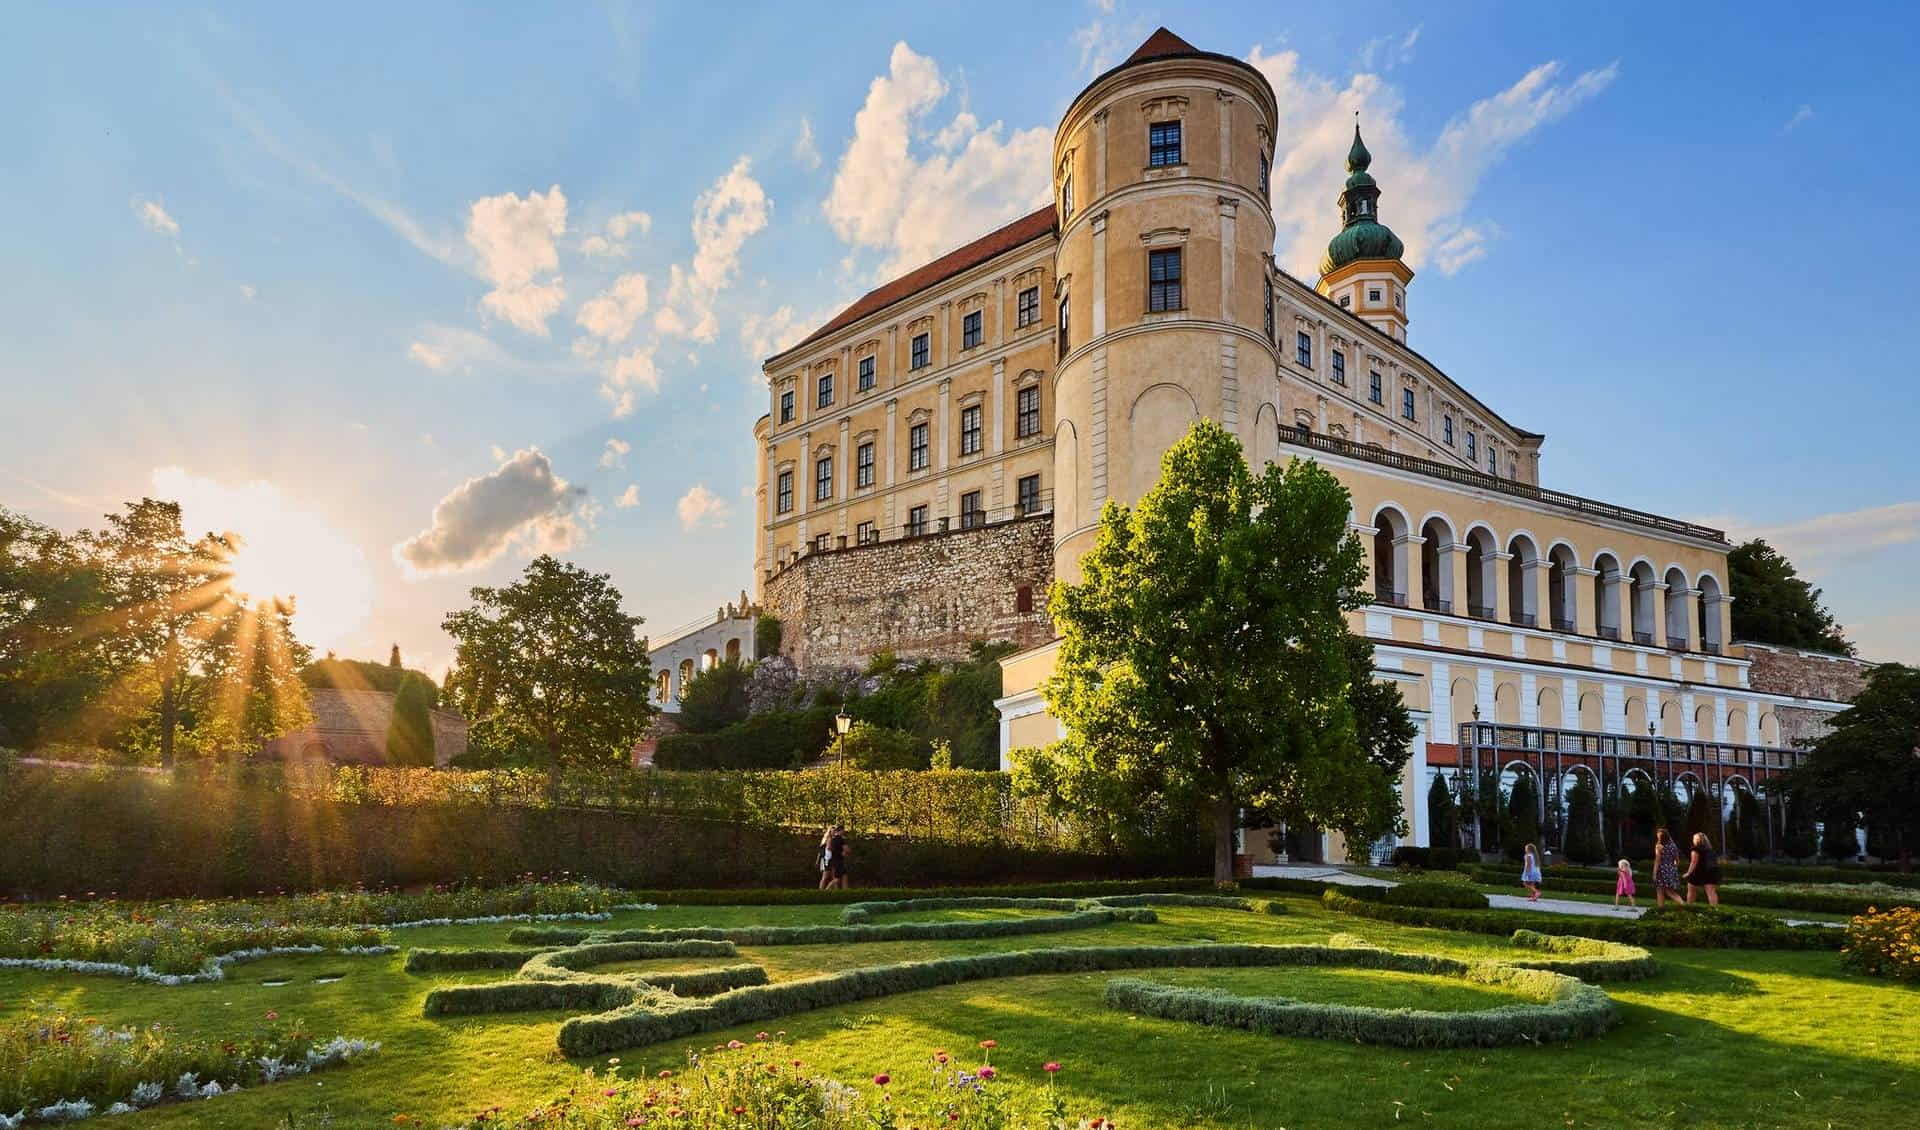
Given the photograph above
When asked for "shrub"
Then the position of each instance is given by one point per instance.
(1523, 816)
(410, 730)
(845, 935)
(715, 698)
(1442, 814)
(447, 961)
(1686, 927)
(779, 739)
(1418, 893)
(363, 675)
(1426, 859)
(1885, 944)
(1585, 844)
(1837, 838)
(766, 636)
(874, 747)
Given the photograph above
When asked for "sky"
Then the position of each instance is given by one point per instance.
(409, 293)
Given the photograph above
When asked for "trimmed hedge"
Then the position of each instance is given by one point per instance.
(1428, 858)
(449, 961)
(863, 911)
(1418, 893)
(1697, 929)
(812, 896)
(1731, 872)
(1821, 902)
(845, 935)
(563, 964)
(655, 1018)
(579, 992)
(1590, 959)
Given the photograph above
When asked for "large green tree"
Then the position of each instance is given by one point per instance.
(715, 698)
(52, 668)
(1583, 840)
(1204, 658)
(410, 730)
(551, 670)
(1774, 604)
(1868, 762)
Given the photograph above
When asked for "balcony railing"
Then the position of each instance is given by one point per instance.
(1524, 620)
(1031, 507)
(1433, 603)
(1608, 632)
(1305, 437)
(1644, 639)
(1677, 644)
(1560, 625)
(1396, 599)
(1710, 648)
(1480, 611)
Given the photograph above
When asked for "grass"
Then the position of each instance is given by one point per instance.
(1718, 1039)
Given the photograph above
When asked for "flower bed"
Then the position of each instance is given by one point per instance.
(59, 1068)
(1699, 927)
(1885, 944)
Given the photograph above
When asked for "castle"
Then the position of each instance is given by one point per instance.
(938, 453)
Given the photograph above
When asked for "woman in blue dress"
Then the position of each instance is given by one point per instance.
(1530, 874)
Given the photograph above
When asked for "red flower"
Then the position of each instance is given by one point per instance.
(882, 1079)
(1050, 1068)
(272, 1014)
(989, 1044)
(987, 1071)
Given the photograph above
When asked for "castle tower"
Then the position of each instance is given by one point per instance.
(1362, 270)
(1163, 293)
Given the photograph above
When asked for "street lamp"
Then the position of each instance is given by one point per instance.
(842, 722)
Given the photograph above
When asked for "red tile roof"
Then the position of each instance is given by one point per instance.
(1162, 42)
(1021, 231)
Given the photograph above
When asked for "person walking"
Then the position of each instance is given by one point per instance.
(1666, 868)
(822, 857)
(837, 857)
(1530, 874)
(1703, 870)
(1623, 884)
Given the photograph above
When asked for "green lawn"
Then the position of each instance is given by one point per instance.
(1720, 1038)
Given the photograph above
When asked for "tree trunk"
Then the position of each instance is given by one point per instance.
(1223, 814)
(168, 719)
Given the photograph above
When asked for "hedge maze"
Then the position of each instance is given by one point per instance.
(1554, 974)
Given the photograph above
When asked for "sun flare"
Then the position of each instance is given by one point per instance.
(286, 553)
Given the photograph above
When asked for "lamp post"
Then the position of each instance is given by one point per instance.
(842, 722)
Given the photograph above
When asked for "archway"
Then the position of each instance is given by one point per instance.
(1677, 592)
(1481, 576)
(1641, 578)
(1710, 606)
(1562, 594)
(1436, 565)
(1523, 596)
(1606, 596)
(1390, 557)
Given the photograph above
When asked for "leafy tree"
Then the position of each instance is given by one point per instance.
(1204, 660)
(1747, 826)
(1584, 843)
(1838, 834)
(1775, 605)
(1702, 817)
(334, 673)
(249, 690)
(393, 659)
(1643, 816)
(552, 671)
(715, 698)
(410, 732)
(1523, 816)
(54, 662)
(1868, 761)
(878, 747)
(1673, 810)
(1442, 821)
(1798, 838)
(766, 636)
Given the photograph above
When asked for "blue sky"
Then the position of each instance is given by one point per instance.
(413, 291)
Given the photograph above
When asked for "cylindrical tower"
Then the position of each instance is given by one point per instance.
(1160, 175)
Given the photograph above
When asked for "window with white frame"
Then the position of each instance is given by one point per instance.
(1027, 414)
(970, 333)
(866, 372)
(863, 465)
(1029, 307)
(917, 447)
(970, 430)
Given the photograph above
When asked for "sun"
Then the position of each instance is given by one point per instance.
(286, 553)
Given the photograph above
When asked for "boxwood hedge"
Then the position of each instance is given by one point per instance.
(1680, 927)
(845, 935)
(860, 912)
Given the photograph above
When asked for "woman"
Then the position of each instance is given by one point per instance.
(825, 856)
(1530, 874)
(1666, 868)
(1703, 870)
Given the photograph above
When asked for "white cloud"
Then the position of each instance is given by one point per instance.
(725, 216)
(429, 356)
(1425, 194)
(156, 218)
(1388, 52)
(521, 503)
(612, 315)
(700, 505)
(1103, 43)
(613, 242)
(514, 239)
(804, 149)
(1800, 117)
(764, 335)
(454, 348)
(247, 292)
(628, 374)
(614, 454)
(629, 498)
(1814, 543)
(911, 206)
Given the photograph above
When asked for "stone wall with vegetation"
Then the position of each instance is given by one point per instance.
(925, 597)
(1805, 675)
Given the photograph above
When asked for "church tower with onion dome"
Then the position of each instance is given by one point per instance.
(1362, 270)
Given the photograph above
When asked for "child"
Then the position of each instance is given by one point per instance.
(1530, 875)
(1624, 885)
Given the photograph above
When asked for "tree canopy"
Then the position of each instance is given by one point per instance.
(550, 670)
(1868, 763)
(1774, 604)
(1205, 659)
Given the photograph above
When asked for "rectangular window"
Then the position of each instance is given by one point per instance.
(1027, 401)
(971, 512)
(863, 465)
(784, 505)
(822, 543)
(1373, 294)
(1346, 301)
(1066, 198)
(1268, 307)
(826, 389)
(1406, 404)
(1446, 429)
(1064, 336)
(1029, 307)
(920, 351)
(1163, 144)
(1266, 173)
(865, 534)
(866, 373)
(1339, 362)
(970, 430)
(823, 478)
(1493, 461)
(970, 329)
(1029, 494)
(1373, 388)
(1303, 349)
(1471, 453)
(917, 448)
(1163, 280)
(786, 407)
(916, 521)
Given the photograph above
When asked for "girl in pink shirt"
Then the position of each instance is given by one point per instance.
(1624, 884)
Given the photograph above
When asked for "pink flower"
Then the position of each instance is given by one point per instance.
(734, 1045)
(609, 1092)
(882, 1079)
(989, 1044)
(987, 1071)
(272, 1014)
(1050, 1068)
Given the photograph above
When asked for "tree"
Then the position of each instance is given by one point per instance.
(1204, 659)
(1523, 815)
(1775, 605)
(1797, 837)
(1442, 821)
(1703, 817)
(878, 747)
(715, 698)
(1643, 816)
(1584, 842)
(410, 731)
(1838, 838)
(54, 662)
(393, 659)
(1868, 762)
(552, 671)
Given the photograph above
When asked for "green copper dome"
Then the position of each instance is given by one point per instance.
(1364, 236)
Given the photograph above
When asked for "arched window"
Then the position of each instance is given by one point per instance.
(1606, 596)
(1523, 597)
(1481, 578)
(1563, 595)
(1390, 557)
(1710, 608)
(1642, 603)
(1678, 592)
(1436, 566)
